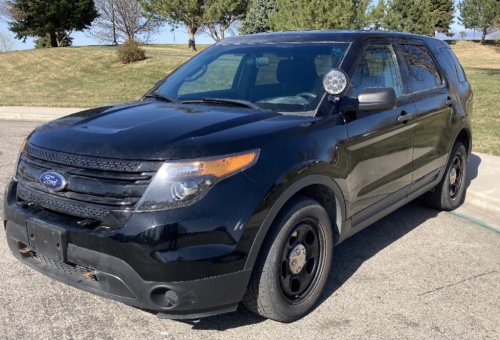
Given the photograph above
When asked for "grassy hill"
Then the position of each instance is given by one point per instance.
(82, 76)
(91, 76)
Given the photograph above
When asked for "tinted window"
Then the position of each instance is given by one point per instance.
(377, 68)
(458, 67)
(267, 75)
(322, 64)
(421, 68)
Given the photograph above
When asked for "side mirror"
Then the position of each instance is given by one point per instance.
(374, 99)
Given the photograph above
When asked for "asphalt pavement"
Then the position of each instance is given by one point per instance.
(416, 274)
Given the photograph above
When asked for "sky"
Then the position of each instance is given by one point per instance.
(164, 36)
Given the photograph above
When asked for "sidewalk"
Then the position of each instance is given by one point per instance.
(43, 114)
(483, 193)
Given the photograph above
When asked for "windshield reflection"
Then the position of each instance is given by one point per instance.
(279, 77)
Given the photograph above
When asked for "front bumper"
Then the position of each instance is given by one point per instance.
(116, 280)
(93, 263)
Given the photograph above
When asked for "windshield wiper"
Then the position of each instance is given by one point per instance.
(237, 102)
(162, 97)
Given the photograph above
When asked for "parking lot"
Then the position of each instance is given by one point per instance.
(418, 273)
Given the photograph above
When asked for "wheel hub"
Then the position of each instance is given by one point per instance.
(453, 175)
(297, 258)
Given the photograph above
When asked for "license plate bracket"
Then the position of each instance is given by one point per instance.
(47, 239)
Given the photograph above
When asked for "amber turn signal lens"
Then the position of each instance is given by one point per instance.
(24, 145)
(229, 165)
(216, 167)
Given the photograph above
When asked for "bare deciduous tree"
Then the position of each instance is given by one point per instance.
(123, 18)
(6, 42)
(4, 11)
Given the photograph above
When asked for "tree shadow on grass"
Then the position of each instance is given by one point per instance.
(347, 258)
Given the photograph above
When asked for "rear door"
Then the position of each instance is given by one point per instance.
(462, 86)
(380, 144)
(435, 103)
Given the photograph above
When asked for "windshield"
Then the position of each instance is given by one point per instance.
(280, 77)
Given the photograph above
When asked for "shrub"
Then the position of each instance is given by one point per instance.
(130, 52)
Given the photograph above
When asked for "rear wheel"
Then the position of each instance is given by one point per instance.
(293, 264)
(450, 193)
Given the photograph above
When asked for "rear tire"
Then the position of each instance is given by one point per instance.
(450, 193)
(293, 264)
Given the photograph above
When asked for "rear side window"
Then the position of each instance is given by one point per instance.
(422, 70)
(458, 68)
(377, 68)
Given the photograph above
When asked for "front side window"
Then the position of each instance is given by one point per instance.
(377, 68)
(422, 71)
(281, 77)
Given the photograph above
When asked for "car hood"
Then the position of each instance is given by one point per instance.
(153, 129)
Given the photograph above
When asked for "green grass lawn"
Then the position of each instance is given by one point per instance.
(91, 76)
(482, 66)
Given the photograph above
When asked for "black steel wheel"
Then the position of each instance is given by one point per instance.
(450, 193)
(299, 260)
(456, 175)
(293, 264)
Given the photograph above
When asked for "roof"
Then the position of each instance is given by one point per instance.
(314, 36)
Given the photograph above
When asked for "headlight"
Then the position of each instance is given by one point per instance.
(19, 159)
(178, 184)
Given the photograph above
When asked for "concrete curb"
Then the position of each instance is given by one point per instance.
(42, 114)
(483, 201)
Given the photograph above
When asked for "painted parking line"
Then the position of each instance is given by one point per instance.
(476, 220)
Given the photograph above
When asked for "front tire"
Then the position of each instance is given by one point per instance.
(450, 193)
(293, 264)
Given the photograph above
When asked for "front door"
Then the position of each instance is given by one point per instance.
(380, 144)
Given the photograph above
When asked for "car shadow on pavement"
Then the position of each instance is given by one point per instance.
(347, 258)
(353, 252)
(472, 169)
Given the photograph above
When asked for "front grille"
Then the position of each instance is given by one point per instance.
(76, 270)
(56, 205)
(100, 189)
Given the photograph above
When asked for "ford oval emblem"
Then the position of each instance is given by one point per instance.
(53, 181)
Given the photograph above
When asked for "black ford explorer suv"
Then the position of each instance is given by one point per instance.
(235, 176)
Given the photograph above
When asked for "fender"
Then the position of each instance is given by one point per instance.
(465, 125)
(281, 201)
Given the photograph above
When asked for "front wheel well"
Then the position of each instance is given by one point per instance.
(326, 197)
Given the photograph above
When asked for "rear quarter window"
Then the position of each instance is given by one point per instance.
(456, 64)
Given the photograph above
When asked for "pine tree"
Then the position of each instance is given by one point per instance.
(442, 11)
(481, 14)
(257, 17)
(411, 16)
(319, 14)
(39, 18)
(44, 42)
(376, 15)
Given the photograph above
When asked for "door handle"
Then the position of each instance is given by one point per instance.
(405, 116)
(450, 101)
